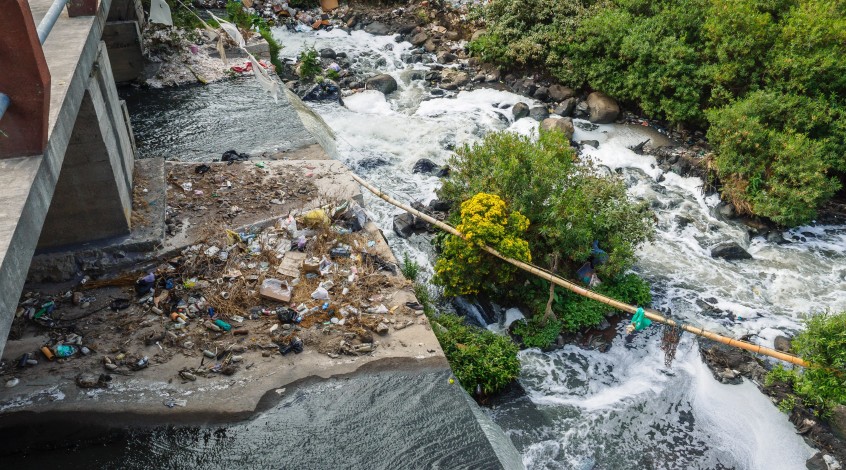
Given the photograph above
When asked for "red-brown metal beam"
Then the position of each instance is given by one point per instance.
(25, 78)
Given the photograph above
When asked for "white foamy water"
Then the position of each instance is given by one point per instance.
(623, 408)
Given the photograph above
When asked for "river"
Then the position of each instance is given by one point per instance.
(582, 409)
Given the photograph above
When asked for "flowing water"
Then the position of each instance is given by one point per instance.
(582, 409)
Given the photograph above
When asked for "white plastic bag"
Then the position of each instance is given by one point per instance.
(160, 13)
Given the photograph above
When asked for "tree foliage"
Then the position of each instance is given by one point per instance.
(567, 203)
(823, 345)
(720, 63)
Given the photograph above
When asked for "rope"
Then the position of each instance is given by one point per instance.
(544, 274)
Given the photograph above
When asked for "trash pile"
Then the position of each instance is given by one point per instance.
(311, 280)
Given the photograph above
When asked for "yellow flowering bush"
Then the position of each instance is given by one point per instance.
(463, 268)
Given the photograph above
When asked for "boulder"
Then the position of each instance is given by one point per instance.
(424, 165)
(328, 53)
(838, 421)
(730, 251)
(566, 107)
(560, 93)
(581, 110)
(430, 45)
(419, 39)
(591, 143)
(602, 109)
(377, 28)
(564, 125)
(782, 343)
(525, 87)
(384, 83)
(445, 57)
(541, 94)
(404, 224)
(539, 113)
(438, 205)
(452, 79)
(520, 110)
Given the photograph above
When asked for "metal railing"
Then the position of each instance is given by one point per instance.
(49, 19)
(43, 30)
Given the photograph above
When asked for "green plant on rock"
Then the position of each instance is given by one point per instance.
(309, 64)
(462, 267)
(410, 268)
(479, 358)
(823, 345)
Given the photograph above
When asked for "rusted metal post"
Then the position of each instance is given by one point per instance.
(82, 8)
(25, 79)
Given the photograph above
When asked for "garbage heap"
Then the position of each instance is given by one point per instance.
(311, 280)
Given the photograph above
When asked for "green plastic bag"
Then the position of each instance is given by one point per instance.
(640, 321)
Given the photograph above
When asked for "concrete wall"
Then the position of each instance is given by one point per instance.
(93, 196)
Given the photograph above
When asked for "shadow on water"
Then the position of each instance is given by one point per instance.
(384, 420)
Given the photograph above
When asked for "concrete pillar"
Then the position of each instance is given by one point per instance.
(93, 196)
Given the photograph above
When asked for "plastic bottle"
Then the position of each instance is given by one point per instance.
(65, 350)
(223, 325)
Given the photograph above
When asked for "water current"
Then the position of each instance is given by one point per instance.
(582, 409)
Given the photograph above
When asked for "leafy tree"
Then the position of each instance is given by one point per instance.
(567, 203)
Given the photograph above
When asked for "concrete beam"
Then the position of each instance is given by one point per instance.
(27, 183)
(123, 39)
(93, 196)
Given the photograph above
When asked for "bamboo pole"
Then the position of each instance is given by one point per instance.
(542, 273)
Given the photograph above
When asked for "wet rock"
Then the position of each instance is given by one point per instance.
(838, 421)
(729, 376)
(384, 83)
(782, 343)
(452, 79)
(726, 210)
(372, 162)
(602, 109)
(377, 28)
(520, 110)
(424, 165)
(438, 205)
(560, 92)
(541, 94)
(539, 113)
(328, 53)
(419, 39)
(817, 462)
(445, 57)
(776, 237)
(430, 46)
(404, 225)
(591, 143)
(525, 87)
(730, 251)
(564, 125)
(566, 107)
(581, 110)
(327, 90)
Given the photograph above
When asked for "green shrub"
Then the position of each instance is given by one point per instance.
(823, 345)
(478, 357)
(537, 333)
(568, 205)
(718, 63)
(462, 267)
(576, 312)
(410, 268)
(309, 64)
(775, 154)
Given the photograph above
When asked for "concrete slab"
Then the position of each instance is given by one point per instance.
(70, 51)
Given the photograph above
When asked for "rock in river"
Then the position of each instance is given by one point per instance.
(602, 109)
(520, 110)
(730, 251)
(564, 125)
(384, 83)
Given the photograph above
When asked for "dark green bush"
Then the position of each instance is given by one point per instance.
(568, 205)
(823, 345)
(718, 63)
(537, 333)
(478, 357)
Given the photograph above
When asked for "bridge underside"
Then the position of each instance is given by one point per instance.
(80, 188)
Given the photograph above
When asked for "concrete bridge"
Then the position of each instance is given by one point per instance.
(66, 146)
